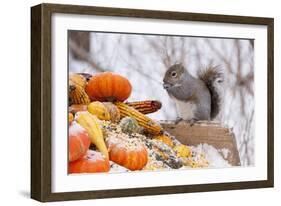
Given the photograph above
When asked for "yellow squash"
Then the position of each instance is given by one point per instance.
(99, 109)
(91, 124)
(113, 111)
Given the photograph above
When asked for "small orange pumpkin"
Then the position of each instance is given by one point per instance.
(78, 140)
(108, 86)
(92, 162)
(129, 153)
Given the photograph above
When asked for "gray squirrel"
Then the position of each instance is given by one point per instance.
(196, 98)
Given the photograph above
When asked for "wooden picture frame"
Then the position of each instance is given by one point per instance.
(41, 97)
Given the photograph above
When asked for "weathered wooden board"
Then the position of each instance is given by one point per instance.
(212, 133)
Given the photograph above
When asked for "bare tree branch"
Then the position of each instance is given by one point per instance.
(84, 55)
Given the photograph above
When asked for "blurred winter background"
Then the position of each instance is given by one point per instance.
(143, 59)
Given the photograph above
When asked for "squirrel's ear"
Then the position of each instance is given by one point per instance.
(178, 65)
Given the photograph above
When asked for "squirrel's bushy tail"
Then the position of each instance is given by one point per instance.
(213, 77)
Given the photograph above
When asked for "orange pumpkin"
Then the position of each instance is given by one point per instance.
(78, 140)
(130, 153)
(92, 162)
(108, 86)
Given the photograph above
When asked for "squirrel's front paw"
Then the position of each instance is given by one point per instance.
(192, 121)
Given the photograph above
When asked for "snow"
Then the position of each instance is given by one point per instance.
(115, 168)
(75, 128)
(94, 156)
(212, 155)
(224, 152)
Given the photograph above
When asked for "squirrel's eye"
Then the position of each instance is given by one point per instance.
(174, 74)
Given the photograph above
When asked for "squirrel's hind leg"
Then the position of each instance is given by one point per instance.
(191, 122)
(178, 120)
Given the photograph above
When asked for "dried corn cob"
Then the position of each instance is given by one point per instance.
(77, 80)
(86, 75)
(77, 94)
(146, 107)
(77, 108)
(92, 126)
(148, 124)
(70, 118)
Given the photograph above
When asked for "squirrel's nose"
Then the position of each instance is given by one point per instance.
(166, 86)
